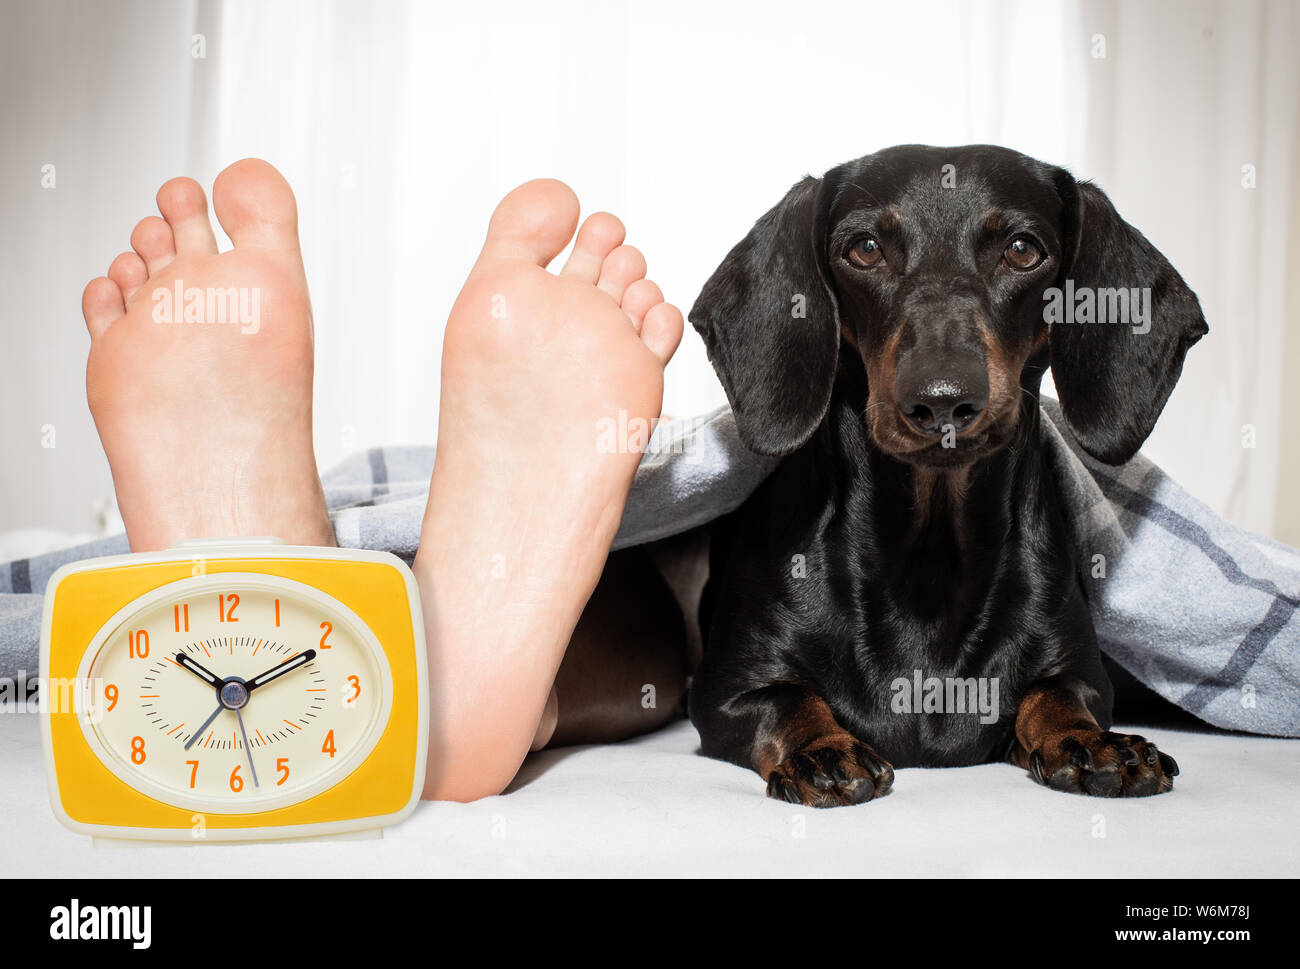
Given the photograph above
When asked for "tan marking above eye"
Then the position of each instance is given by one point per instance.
(866, 253)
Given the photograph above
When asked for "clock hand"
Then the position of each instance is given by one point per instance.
(302, 659)
(183, 661)
(244, 733)
(239, 696)
(198, 733)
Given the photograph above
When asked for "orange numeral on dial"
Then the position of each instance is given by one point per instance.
(110, 694)
(328, 746)
(137, 750)
(329, 628)
(182, 617)
(236, 782)
(277, 612)
(193, 765)
(282, 765)
(356, 686)
(226, 606)
(137, 644)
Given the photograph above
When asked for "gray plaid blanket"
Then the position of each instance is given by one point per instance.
(1201, 612)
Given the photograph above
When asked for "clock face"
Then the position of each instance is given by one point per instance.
(234, 692)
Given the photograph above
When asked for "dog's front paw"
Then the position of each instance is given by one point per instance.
(1102, 763)
(832, 771)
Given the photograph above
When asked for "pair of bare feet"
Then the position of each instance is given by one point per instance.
(208, 430)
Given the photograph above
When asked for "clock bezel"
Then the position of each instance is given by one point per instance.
(234, 582)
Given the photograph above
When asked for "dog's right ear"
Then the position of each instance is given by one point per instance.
(769, 320)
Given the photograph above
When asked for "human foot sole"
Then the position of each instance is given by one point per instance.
(199, 376)
(526, 495)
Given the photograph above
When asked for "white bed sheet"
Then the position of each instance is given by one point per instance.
(654, 806)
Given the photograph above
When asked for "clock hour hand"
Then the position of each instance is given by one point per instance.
(184, 662)
(302, 659)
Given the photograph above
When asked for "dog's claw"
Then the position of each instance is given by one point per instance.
(1036, 767)
(1103, 764)
(832, 771)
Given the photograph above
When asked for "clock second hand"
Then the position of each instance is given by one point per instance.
(253, 770)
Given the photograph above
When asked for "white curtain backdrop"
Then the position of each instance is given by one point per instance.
(1191, 126)
(401, 124)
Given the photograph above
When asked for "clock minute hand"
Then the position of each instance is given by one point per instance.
(302, 659)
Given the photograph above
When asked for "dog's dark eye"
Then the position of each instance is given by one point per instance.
(866, 253)
(1022, 254)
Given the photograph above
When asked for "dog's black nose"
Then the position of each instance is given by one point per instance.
(935, 393)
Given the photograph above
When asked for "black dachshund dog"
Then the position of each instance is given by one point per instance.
(884, 330)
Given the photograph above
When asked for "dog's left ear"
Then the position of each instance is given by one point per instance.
(770, 322)
(1115, 375)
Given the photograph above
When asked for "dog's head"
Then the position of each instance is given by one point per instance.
(954, 274)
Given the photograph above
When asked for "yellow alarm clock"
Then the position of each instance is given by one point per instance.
(234, 690)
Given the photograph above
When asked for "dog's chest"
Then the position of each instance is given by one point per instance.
(937, 653)
(924, 702)
(922, 631)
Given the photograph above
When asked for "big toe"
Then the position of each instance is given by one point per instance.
(534, 222)
(255, 206)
